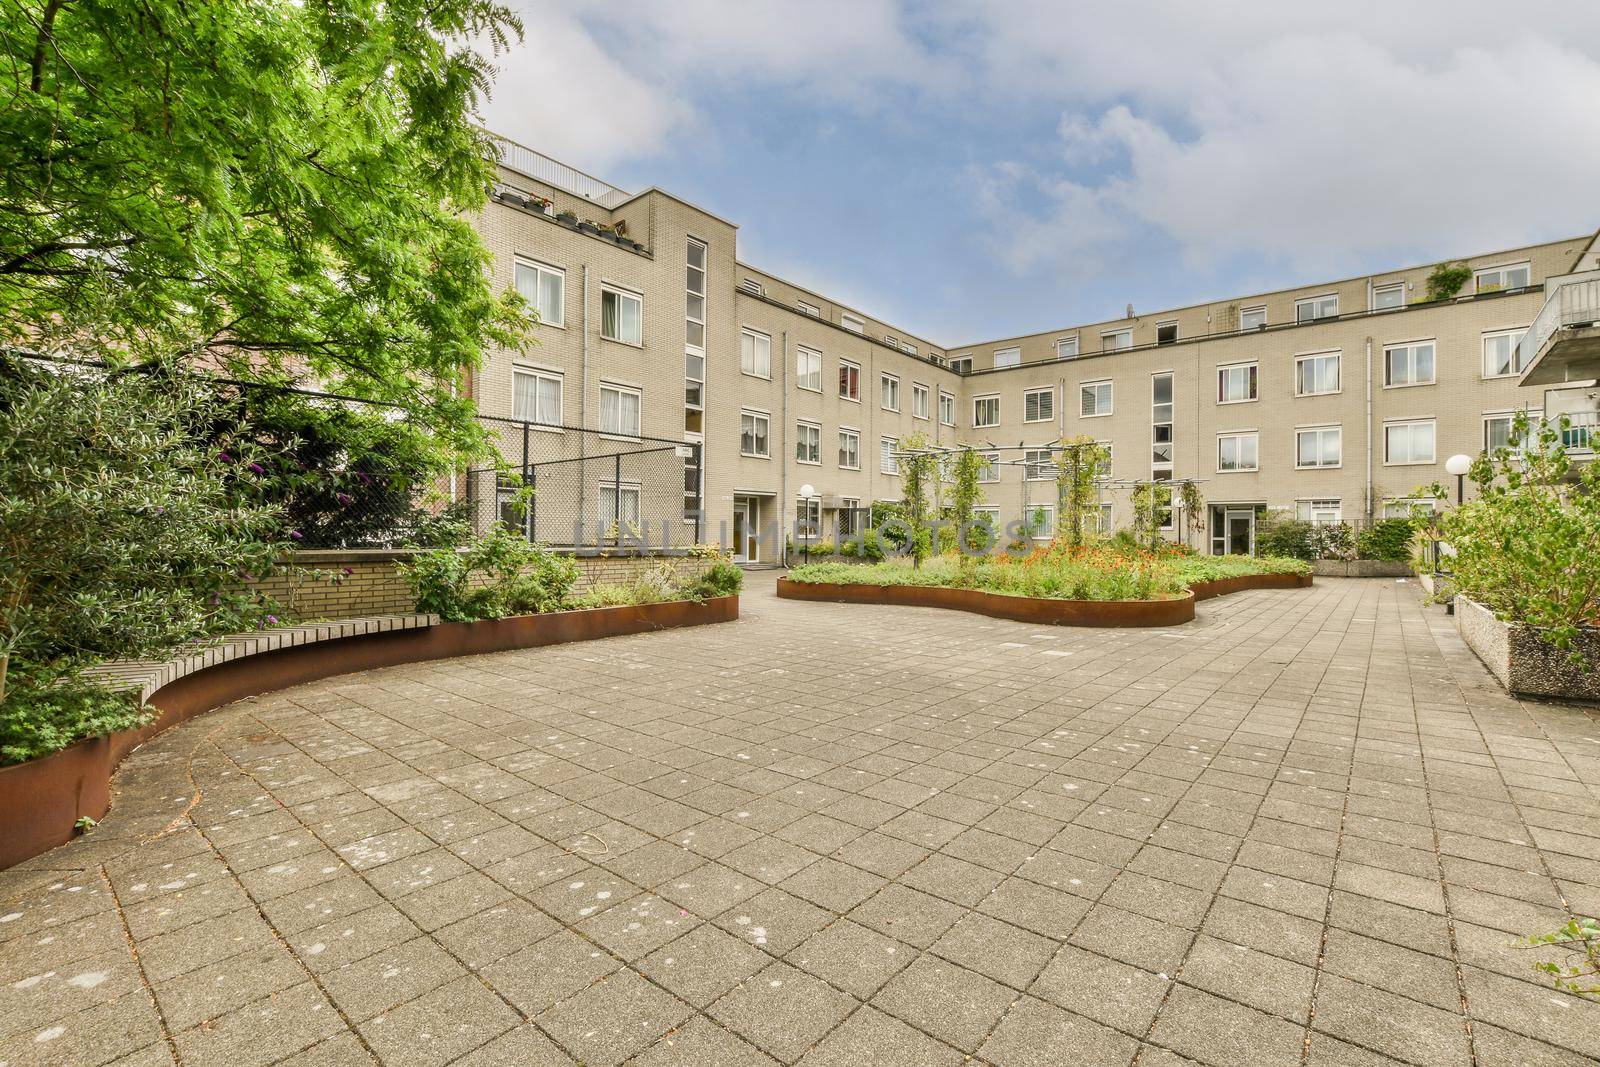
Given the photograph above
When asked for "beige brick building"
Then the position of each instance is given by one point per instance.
(1333, 401)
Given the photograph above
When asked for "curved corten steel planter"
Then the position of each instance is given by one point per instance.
(1119, 613)
(42, 800)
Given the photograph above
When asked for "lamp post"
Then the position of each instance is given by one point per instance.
(807, 493)
(1459, 465)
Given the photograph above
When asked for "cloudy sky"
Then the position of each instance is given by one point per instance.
(971, 171)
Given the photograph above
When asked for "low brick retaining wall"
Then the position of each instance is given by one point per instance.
(1361, 568)
(1116, 613)
(1522, 661)
(42, 800)
(365, 581)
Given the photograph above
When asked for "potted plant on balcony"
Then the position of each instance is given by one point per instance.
(567, 217)
(590, 227)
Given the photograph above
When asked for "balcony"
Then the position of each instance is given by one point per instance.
(1563, 344)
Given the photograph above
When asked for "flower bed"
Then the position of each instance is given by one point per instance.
(42, 800)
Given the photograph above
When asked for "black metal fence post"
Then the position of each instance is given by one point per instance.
(532, 481)
(616, 496)
(699, 488)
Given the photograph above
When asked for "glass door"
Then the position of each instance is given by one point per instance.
(746, 548)
(1241, 532)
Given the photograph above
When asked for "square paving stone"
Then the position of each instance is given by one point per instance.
(1235, 972)
(222, 987)
(829, 884)
(702, 1043)
(774, 920)
(331, 945)
(582, 893)
(448, 902)
(1107, 991)
(702, 965)
(613, 1019)
(524, 1046)
(1222, 1033)
(638, 926)
(262, 1032)
(952, 879)
(1274, 932)
(1388, 1023)
(495, 933)
(995, 949)
(440, 1026)
(881, 854)
(710, 888)
(549, 970)
(782, 1011)
(390, 977)
(770, 859)
(1036, 1034)
(1416, 975)
(1050, 912)
(907, 915)
(852, 957)
(870, 1038)
(952, 1003)
(1146, 943)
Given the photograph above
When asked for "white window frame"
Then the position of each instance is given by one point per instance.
(1049, 530)
(888, 391)
(1049, 393)
(540, 374)
(984, 399)
(887, 463)
(1507, 417)
(1480, 273)
(1095, 386)
(947, 408)
(630, 517)
(1109, 340)
(758, 366)
(1308, 509)
(1515, 338)
(990, 514)
(1411, 347)
(1163, 324)
(1252, 381)
(803, 357)
(854, 437)
(1388, 287)
(908, 348)
(607, 289)
(1067, 347)
(1239, 436)
(990, 466)
(690, 293)
(1312, 357)
(853, 323)
(846, 365)
(803, 430)
(1321, 431)
(753, 287)
(622, 390)
(539, 268)
(919, 400)
(961, 364)
(1396, 424)
(1007, 357)
(848, 505)
(1038, 470)
(806, 307)
(1251, 310)
(1315, 303)
(764, 439)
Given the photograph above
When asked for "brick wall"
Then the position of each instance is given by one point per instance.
(344, 584)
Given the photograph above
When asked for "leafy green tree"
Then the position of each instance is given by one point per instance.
(125, 530)
(1081, 467)
(1446, 280)
(919, 469)
(278, 189)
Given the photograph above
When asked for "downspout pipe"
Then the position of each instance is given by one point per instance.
(783, 453)
(583, 409)
(1369, 502)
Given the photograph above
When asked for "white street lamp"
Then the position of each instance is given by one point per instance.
(808, 493)
(1459, 465)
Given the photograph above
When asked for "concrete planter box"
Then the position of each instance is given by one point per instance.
(42, 800)
(1522, 661)
(1438, 586)
(1361, 568)
(1118, 613)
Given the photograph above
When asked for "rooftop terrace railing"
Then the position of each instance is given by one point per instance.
(542, 168)
(1570, 303)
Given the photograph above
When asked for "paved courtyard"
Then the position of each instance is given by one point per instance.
(1306, 829)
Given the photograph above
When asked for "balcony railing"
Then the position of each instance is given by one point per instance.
(539, 166)
(1582, 431)
(1571, 303)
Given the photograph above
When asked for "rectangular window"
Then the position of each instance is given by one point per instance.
(1510, 276)
(1039, 405)
(1319, 512)
(850, 450)
(1166, 333)
(849, 515)
(694, 387)
(851, 322)
(619, 410)
(947, 409)
(887, 463)
(1236, 384)
(753, 287)
(989, 470)
(1500, 353)
(1316, 374)
(1497, 432)
(1253, 318)
(808, 443)
(806, 307)
(1319, 447)
(1161, 425)
(985, 411)
(1042, 521)
(1007, 357)
(1238, 451)
(1408, 442)
(694, 330)
(1312, 308)
(1038, 465)
(808, 517)
(889, 392)
(919, 400)
(1408, 364)
(544, 288)
(986, 516)
(618, 505)
(621, 316)
(808, 370)
(1388, 297)
(961, 364)
(849, 381)
(1094, 399)
(753, 433)
(1067, 347)
(755, 354)
(691, 483)
(1116, 340)
(536, 397)
(908, 348)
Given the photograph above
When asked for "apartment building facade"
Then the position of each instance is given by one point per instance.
(1333, 401)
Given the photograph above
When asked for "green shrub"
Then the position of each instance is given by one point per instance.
(720, 579)
(1333, 540)
(848, 548)
(1446, 280)
(497, 575)
(1280, 535)
(1386, 539)
(46, 711)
